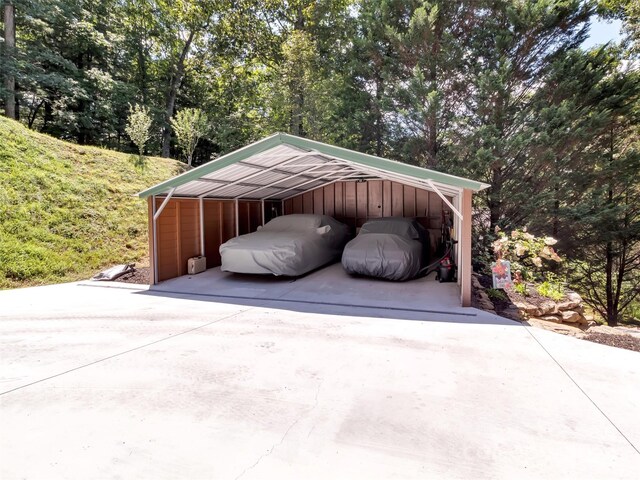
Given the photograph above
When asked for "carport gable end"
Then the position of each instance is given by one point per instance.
(195, 212)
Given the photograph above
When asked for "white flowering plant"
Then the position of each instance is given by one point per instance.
(532, 256)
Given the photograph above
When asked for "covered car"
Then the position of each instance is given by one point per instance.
(290, 245)
(393, 248)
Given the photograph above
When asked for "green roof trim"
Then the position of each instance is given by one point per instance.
(391, 166)
(277, 139)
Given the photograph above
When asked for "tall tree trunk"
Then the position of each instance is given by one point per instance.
(297, 114)
(9, 51)
(378, 112)
(142, 69)
(431, 122)
(494, 201)
(612, 319)
(174, 84)
(612, 314)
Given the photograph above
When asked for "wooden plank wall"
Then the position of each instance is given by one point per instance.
(178, 231)
(178, 227)
(355, 202)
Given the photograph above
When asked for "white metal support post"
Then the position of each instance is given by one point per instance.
(444, 199)
(201, 205)
(155, 240)
(237, 209)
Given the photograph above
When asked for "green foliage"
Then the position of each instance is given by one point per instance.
(68, 211)
(189, 126)
(521, 288)
(533, 256)
(497, 294)
(552, 287)
(139, 126)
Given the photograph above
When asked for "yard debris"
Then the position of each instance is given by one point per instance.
(112, 273)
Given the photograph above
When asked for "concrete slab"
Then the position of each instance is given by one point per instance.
(178, 387)
(618, 400)
(330, 285)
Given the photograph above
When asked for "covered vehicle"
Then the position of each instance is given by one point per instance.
(289, 245)
(393, 248)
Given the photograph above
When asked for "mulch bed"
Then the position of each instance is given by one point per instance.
(141, 275)
(629, 342)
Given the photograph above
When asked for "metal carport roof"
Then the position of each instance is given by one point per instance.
(282, 166)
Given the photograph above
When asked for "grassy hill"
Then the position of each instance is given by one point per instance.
(66, 211)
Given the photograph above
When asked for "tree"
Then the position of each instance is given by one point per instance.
(190, 125)
(139, 126)
(8, 59)
(494, 136)
(605, 219)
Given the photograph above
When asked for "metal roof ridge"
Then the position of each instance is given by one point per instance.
(481, 185)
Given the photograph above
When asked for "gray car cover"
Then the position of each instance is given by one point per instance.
(290, 245)
(389, 248)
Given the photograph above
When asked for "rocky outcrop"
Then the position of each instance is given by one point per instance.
(568, 310)
(481, 299)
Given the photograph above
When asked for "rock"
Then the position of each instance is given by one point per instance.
(548, 318)
(548, 307)
(486, 305)
(557, 327)
(529, 309)
(569, 316)
(513, 314)
(570, 302)
(475, 282)
(583, 321)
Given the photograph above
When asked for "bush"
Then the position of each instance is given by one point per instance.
(552, 287)
(138, 126)
(497, 294)
(521, 288)
(533, 256)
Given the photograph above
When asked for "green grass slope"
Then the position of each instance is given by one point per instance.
(66, 211)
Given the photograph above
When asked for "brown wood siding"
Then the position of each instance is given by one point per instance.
(167, 232)
(212, 232)
(355, 202)
(189, 233)
(178, 231)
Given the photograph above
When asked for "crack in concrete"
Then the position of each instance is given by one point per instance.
(139, 347)
(530, 332)
(275, 445)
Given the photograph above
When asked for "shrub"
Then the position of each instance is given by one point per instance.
(552, 287)
(497, 294)
(521, 288)
(138, 126)
(189, 125)
(533, 256)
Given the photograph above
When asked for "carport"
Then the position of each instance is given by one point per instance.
(195, 212)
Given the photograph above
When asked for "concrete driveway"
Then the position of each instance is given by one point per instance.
(119, 382)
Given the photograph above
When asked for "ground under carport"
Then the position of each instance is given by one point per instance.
(329, 285)
(106, 382)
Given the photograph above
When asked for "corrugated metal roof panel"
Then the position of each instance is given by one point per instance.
(277, 154)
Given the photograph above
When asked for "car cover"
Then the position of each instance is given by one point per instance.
(383, 255)
(393, 248)
(286, 246)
